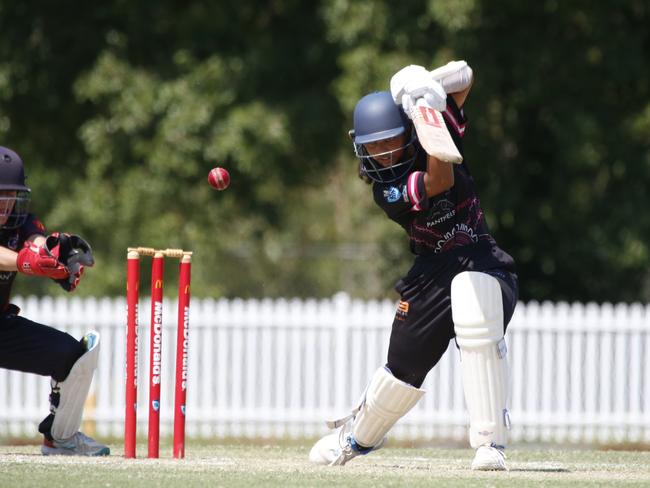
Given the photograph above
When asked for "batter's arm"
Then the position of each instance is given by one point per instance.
(461, 96)
(439, 176)
(457, 78)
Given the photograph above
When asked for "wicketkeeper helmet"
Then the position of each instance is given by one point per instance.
(13, 208)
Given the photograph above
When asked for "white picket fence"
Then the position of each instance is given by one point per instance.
(278, 368)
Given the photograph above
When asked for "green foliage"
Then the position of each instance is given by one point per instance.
(121, 114)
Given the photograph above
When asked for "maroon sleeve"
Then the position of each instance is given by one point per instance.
(417, 192)
(455, 118)
(456, 122)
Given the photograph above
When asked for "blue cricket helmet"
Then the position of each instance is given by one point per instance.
(377, 117)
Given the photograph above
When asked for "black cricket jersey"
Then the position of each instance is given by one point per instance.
(451, 223)
(14, 239)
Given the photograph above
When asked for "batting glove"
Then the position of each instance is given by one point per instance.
(423, 86)
(400, 79)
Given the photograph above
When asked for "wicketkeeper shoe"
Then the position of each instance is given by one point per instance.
(77, 445)
(490, 457)
(338, 448)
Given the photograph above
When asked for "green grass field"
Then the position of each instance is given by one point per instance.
(238, 465)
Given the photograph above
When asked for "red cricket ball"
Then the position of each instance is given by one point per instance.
(219, 178)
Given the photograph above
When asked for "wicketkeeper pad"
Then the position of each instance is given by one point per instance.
(387, 400)
(477, 311)
(73, 391)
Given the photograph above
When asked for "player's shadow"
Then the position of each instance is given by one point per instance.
(540, 469)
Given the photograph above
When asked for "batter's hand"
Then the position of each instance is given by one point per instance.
(38, 261)
(425, 87)
(404, 76)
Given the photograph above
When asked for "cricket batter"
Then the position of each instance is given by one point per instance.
(34, 348)
(461, 285)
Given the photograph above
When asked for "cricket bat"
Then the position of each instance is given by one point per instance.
(433, 134)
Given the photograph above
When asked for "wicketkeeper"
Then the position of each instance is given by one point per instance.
(35, 348)
(461, 285)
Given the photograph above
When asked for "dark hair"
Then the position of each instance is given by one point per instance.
(363, 175)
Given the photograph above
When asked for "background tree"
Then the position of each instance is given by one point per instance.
(121, 110)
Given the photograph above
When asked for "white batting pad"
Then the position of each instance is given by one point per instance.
(477, 311)
(74, 390)
(387, 400)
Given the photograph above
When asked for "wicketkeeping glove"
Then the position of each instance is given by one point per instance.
(73, 253)
(39, 261)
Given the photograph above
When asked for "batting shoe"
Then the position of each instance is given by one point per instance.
(489, 457)
(77, 445)
(338, 448)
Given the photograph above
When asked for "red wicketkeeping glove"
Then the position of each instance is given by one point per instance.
(70, 283)
(38, 261)
(74, 253)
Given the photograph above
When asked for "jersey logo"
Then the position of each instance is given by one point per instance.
(39, 225)
(442, 211)
(459, 235)
(392, 194)
(12, 243)
(6, 276)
